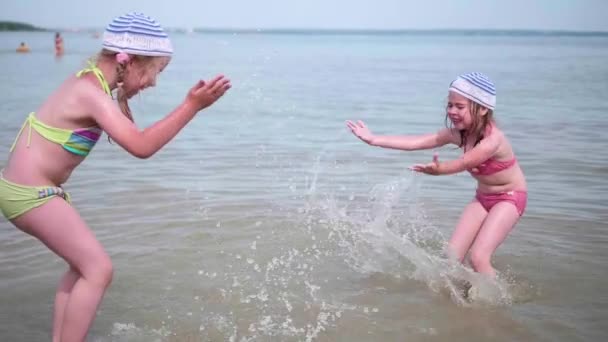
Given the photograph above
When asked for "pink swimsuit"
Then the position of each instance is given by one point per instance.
(488, 200)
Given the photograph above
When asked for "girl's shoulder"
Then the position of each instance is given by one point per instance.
(453, 135)
(82, 97)
(494, 132)
(504, 146)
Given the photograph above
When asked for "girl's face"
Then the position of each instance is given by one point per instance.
(458, 110)
(141, 74)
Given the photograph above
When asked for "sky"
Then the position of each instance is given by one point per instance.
(571, 15)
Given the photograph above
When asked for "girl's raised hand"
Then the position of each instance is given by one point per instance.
(431, 168)
(204, 94)
(360, 130)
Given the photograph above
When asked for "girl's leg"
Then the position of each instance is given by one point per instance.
(500, 221)
(468, 226)
(61, 299)
(60, 228)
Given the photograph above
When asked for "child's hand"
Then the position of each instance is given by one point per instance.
(360, 130)
(430, 168)
(204, 94)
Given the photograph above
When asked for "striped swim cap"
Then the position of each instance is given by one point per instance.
(476, 87)
(137, 34)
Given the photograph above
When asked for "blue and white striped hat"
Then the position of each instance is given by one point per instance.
(476, 87)
(137, 34)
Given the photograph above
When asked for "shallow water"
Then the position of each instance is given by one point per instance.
(265, 219)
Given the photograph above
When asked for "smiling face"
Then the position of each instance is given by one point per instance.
(468, 117)
(458, 111)
(141, 73)
(133, 74)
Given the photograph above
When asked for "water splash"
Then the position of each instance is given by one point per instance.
(283, 284)
(373, 238)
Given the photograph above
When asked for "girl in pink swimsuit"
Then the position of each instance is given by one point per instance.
(501, 194)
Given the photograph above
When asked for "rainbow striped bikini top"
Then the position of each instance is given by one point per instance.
(79, 141)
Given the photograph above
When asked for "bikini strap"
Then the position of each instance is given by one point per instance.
(27, 122)
(97, 72)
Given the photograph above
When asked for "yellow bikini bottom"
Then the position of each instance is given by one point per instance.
(16, 199)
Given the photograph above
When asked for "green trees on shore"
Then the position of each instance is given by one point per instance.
(17, 26)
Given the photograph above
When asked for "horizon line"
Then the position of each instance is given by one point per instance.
(192, 28)
(296, 30)
(359, 30)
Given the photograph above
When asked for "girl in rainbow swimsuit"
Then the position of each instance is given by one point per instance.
(60, 134)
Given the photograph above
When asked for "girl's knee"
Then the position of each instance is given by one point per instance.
(105, 272)
(480, 258)
(99, 271)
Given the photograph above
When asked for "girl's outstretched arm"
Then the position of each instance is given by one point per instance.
(144, 143)
(403, 142)
(470, 159)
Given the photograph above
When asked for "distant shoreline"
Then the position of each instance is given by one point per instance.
(15, 26)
